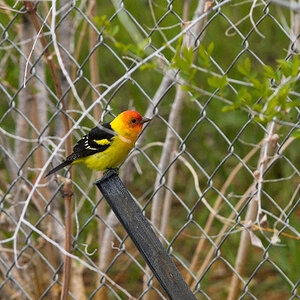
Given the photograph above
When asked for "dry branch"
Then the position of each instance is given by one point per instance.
(67, 188)
(217, 205)
(36, 23)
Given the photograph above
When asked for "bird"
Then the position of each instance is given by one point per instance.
(105, 147)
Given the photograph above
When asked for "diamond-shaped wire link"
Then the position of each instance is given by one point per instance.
(224, 186)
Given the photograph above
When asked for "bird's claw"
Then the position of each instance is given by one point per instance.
(111, 171)
(108, 173)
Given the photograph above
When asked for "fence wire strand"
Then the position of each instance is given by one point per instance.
(220, 188)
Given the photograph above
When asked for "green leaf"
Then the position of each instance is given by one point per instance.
(203, 59)
(245, 68)
(257, 107)
(210, 48)
(269, 72)
(180, 63)
(114, 30)
(201, 51)
(191, 89)
(192, 74)
(187, 53)
(99, 21)
(179, 45)
(149, 66)
(256, 83)
(217, 82)
(244, 96)
(107, 25)
(285, 67)
(187, 88)
(184, 76)
(296, 134)
(232, 107)
(124, 48)
(262, 87)
(282, 95)
(272, 104)
(295, 66)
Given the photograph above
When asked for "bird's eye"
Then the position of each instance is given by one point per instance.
(133, 121)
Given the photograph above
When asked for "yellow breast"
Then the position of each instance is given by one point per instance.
(110, 158)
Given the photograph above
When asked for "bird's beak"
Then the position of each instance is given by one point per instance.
(145, 120)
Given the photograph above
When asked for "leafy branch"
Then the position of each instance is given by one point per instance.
(266, 96)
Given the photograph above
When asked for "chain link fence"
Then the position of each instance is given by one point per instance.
(216, 171)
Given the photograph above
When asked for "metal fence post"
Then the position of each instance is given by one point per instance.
(144, 238)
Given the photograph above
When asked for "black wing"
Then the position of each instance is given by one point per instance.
(87, 145)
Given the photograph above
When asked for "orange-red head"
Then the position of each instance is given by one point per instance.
(129, 124)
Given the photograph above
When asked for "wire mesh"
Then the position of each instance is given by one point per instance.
(218, 180)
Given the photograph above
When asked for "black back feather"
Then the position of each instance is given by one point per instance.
(87, 146)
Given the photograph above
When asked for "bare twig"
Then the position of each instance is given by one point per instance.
(90, 267)
(217, 204)
(68, 187)
(250, 190)
(68, 240)
(171, 140)
(253, 212)
(22, 130)
(36, 23)
(174, 123)
(66, 37)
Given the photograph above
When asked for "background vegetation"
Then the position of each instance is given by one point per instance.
(216, 171)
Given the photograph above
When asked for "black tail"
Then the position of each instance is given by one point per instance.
(62, 165)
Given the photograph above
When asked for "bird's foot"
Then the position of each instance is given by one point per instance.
(108, 173)
(111, 171)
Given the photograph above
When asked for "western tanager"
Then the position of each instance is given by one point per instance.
(106, 147)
